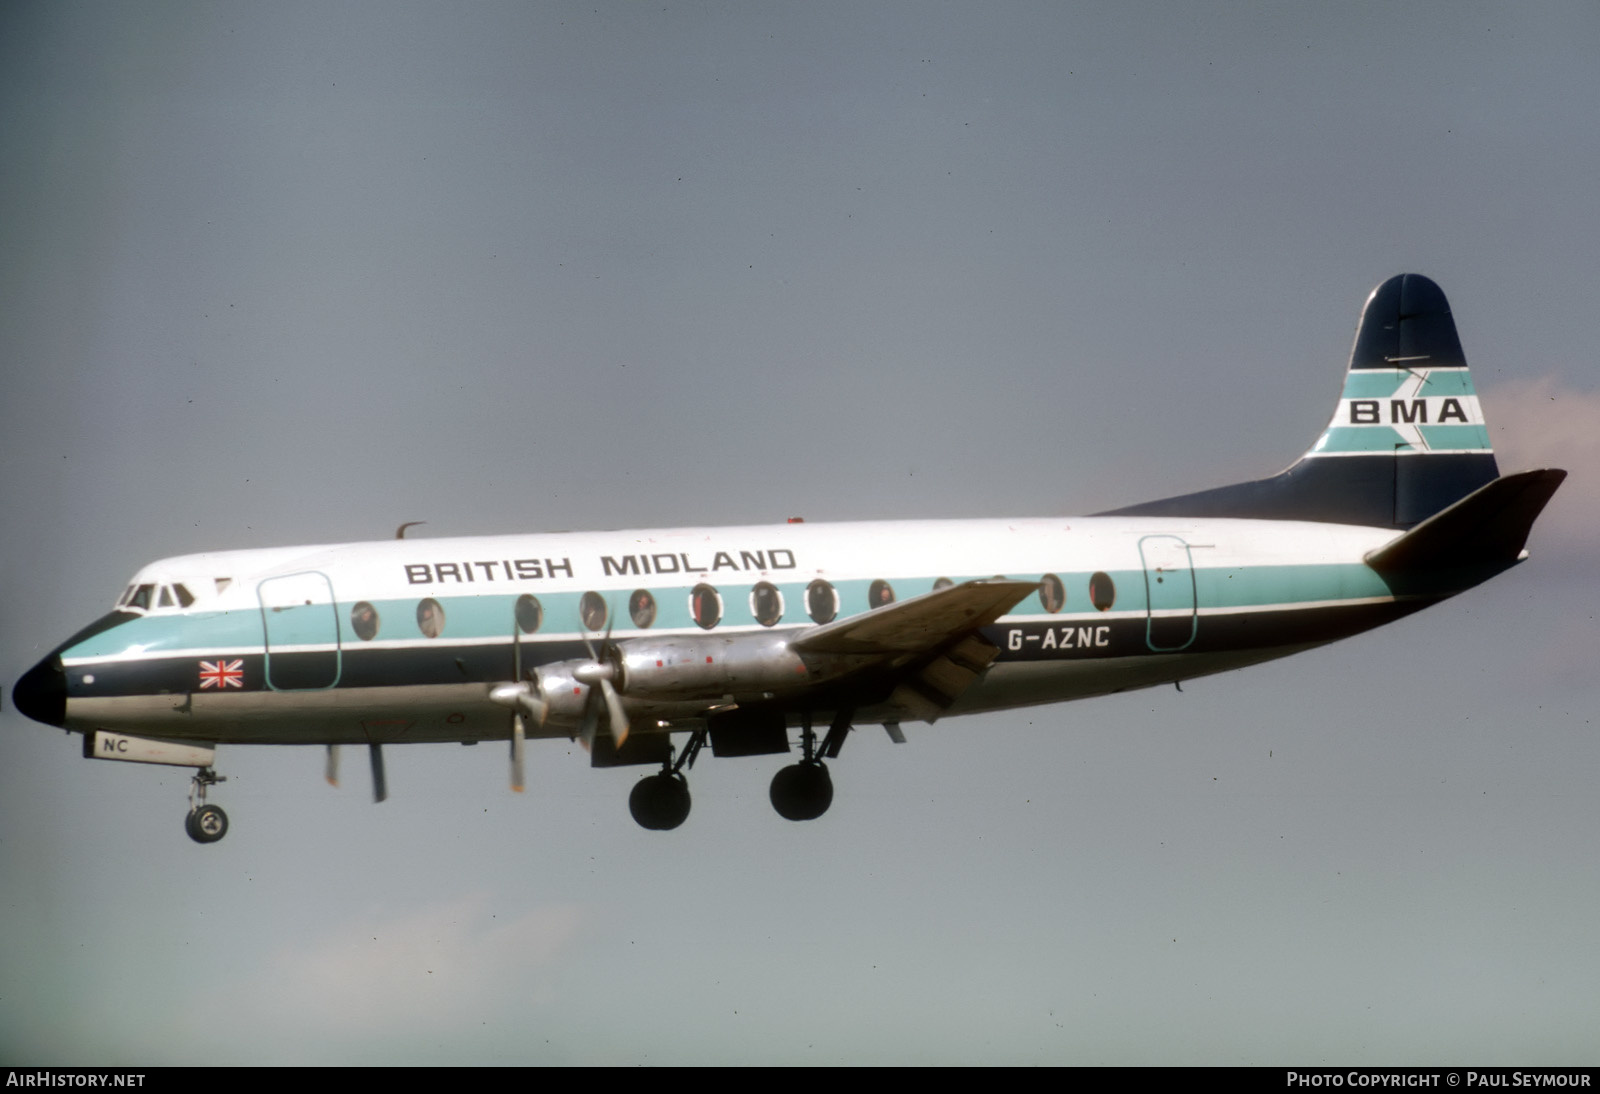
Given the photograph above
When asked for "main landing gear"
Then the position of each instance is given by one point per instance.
(205, 823)
(801, 791)
(660, 802)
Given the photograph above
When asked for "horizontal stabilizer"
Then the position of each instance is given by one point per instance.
(1488, 527)
(920, 624)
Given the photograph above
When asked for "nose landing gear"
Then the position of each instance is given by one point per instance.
(205, 823)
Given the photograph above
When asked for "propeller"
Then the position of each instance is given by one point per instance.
(380, 784)
(521, 697)
(600, 675)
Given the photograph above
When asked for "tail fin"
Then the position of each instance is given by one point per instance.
(1408, 438)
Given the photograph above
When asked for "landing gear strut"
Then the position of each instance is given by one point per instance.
(660, 802)
(205, 823)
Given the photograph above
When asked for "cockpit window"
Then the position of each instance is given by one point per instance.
(144, 598)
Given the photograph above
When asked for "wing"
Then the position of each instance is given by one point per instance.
(920, 624)
(929, 643)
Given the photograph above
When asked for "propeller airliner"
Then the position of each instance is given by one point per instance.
(772, 640)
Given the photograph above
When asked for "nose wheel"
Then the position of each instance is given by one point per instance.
(205, 823)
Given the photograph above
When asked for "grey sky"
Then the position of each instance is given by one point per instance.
(291, 273)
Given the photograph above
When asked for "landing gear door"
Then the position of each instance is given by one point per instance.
(1169, 590)
(301, 626)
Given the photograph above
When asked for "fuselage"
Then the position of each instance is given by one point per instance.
(402, 640)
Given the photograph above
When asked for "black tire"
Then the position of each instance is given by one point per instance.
(660, 802)
(207, 824)
(802, 791)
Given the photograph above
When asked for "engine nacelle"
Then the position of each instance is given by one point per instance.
(563, 693)
(694, 669)
(687, 668)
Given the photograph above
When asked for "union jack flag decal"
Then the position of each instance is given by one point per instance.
(221, 674)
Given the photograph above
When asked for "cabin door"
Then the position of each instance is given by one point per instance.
(1169, 592)
(301, 626)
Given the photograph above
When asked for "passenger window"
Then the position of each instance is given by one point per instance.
(705, 604)
(879, 593)
(1052, 594)
(822, 601)
(430, 618)
(364, 621)
(1102, 593)
(530, 613)
(642, 608)
(766, 603)
(592, 611)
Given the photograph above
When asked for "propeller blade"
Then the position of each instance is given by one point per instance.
(380, 784)
(591, 718)
(619, 717)
(518, 742)
(330, 770)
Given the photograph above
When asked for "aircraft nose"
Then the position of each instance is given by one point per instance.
(41, 693)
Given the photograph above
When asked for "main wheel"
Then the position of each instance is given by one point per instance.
(660, 802)
(207, 824)
(802, 791)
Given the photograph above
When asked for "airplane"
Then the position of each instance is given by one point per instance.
(764, 640)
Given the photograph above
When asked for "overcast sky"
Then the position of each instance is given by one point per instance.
(294, 273)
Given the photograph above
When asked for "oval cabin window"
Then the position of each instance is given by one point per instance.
(705, 604)
(530, 613)
(1052, 594)
(430, 618)
(1102, 593)
(642, 608)
(822, 601)
(766, 603)
(592, 611)
(364, 621)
